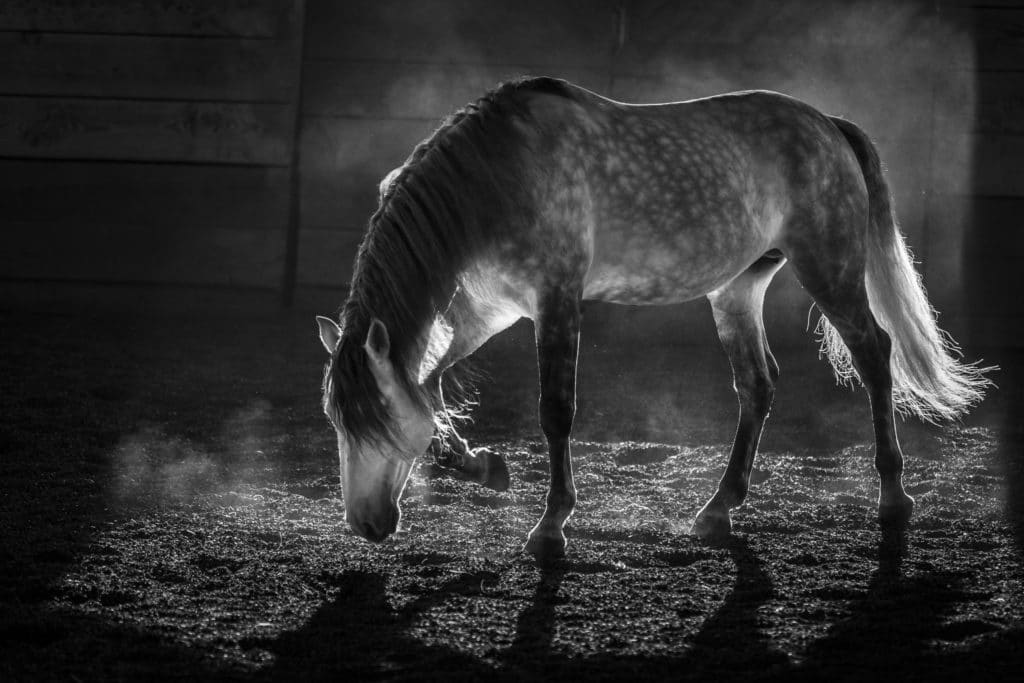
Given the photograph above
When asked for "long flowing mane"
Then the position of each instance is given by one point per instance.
(452, 197)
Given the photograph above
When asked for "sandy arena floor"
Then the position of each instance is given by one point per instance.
(169, 509)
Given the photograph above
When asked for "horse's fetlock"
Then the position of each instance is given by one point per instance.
(737, 493)
(561, 501)
(888, 467)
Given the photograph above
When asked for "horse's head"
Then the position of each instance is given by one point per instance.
(374, 466)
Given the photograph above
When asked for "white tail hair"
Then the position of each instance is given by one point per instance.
(929, 378)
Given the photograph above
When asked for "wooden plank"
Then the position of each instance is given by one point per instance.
(146, 67)
(999, 36)
(974, 253)
(996, 165)
(239, 18)
(120, 298)
(340, 199)
(142, 253)
(992, 245)
(401, 90)
(532, 32)
(145, 130)
(1000, 103)
(291, 248)
(155, 195)
(994, 227)
(343, 162)
(941, 255)
(326, 256)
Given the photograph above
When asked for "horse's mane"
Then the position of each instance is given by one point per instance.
(457, 191)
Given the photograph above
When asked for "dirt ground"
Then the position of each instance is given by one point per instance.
(170, 509)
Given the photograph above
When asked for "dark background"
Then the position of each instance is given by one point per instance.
(183, 184)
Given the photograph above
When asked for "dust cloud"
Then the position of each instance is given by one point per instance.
(158, 467)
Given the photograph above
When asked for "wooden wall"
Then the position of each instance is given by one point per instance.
(146, 142)
(994, 243)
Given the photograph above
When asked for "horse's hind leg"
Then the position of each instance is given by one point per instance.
(557, 329)
(737, 309)
(837, 287)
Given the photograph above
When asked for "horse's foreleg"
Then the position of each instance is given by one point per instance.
(557, 331)
(737, 310)
(480, 465)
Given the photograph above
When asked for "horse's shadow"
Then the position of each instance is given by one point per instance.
(888, 632)
(536, 625)
(730, 640)
(359, 636)
(891, 631)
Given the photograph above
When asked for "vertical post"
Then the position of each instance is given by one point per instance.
(291, 245)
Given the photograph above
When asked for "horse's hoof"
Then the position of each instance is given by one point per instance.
(896, 513)
(495, 471)
(711, 524)
(545, 548)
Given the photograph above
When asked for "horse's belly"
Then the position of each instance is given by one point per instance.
(622, 284)
(647, 266)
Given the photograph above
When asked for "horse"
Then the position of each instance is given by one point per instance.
(542, 194)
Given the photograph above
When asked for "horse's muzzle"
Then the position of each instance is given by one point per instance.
(375, 528)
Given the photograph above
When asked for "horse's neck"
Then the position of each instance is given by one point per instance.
(425, 344)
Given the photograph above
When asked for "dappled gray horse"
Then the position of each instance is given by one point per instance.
(542, 194)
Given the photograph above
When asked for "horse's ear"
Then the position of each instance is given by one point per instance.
(377, 342)
(330, 333)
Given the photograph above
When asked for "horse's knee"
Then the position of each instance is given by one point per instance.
(556, 416)
(889, 464)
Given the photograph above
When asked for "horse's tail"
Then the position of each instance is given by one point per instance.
(928, 377)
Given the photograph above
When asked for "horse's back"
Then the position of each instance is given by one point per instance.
(684, 196)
